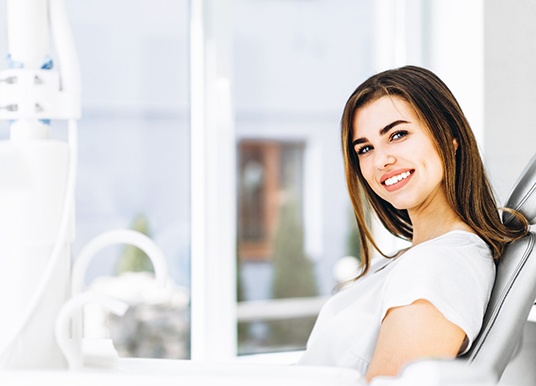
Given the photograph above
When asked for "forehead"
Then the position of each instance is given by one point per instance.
(374, 116)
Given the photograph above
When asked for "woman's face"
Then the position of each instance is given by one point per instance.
(397, 155)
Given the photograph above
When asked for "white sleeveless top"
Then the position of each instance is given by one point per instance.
(455, 272)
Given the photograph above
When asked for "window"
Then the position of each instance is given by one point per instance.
(270, 176)
(292, 79)
(134, 161)
(271, 238)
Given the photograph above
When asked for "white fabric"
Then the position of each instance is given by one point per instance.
(455, 272)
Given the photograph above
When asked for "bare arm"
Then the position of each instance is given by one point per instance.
(413, 332)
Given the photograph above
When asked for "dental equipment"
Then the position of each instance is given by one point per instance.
(119, 236)
(37, 182)
(90, 250)
(72, 349)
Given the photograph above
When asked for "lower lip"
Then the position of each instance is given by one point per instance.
(399, 185)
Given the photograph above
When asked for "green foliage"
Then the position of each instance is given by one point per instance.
(353, 241)
(293, 277)
(242, 329)
(134, 259)
(293, 270)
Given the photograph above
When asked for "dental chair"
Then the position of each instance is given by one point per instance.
(514, 291)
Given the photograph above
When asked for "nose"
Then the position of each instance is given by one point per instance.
(383, 158)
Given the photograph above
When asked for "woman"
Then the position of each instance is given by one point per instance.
(411, 157)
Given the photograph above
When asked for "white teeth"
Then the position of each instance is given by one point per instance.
(395, 179)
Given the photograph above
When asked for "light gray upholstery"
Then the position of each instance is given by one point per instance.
(514, 291)
(523, 196)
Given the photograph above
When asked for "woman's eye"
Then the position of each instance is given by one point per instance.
(363, 149)
(399, 134)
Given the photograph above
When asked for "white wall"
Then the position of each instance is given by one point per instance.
(510, 99)
(455, 53)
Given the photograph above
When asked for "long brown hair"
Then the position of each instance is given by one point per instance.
(466, 185)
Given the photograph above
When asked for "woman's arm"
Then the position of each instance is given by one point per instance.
(413, 332)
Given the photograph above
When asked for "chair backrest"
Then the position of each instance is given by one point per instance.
(514, 291)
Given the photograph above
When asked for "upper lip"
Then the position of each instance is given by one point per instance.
(386, 176)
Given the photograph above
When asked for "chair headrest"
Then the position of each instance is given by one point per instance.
(523, 196)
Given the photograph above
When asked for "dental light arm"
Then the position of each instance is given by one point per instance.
(30, 90)
(37, 181)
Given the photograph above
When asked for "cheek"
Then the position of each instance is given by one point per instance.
(435, 172)
(368, 175)
(437, 165)
(366, 171)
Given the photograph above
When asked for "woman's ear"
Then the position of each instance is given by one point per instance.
(455, 143)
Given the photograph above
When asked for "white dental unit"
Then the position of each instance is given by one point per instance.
(37, 183)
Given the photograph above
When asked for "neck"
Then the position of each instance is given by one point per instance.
(430, 222)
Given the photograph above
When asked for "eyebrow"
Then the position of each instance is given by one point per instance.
(383, 131)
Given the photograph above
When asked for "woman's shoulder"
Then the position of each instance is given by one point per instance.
(457, 238)
(455, 242)
(451, 251)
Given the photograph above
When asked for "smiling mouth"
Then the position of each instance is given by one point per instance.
(395, 179)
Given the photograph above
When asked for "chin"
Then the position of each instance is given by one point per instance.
(401, 205)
